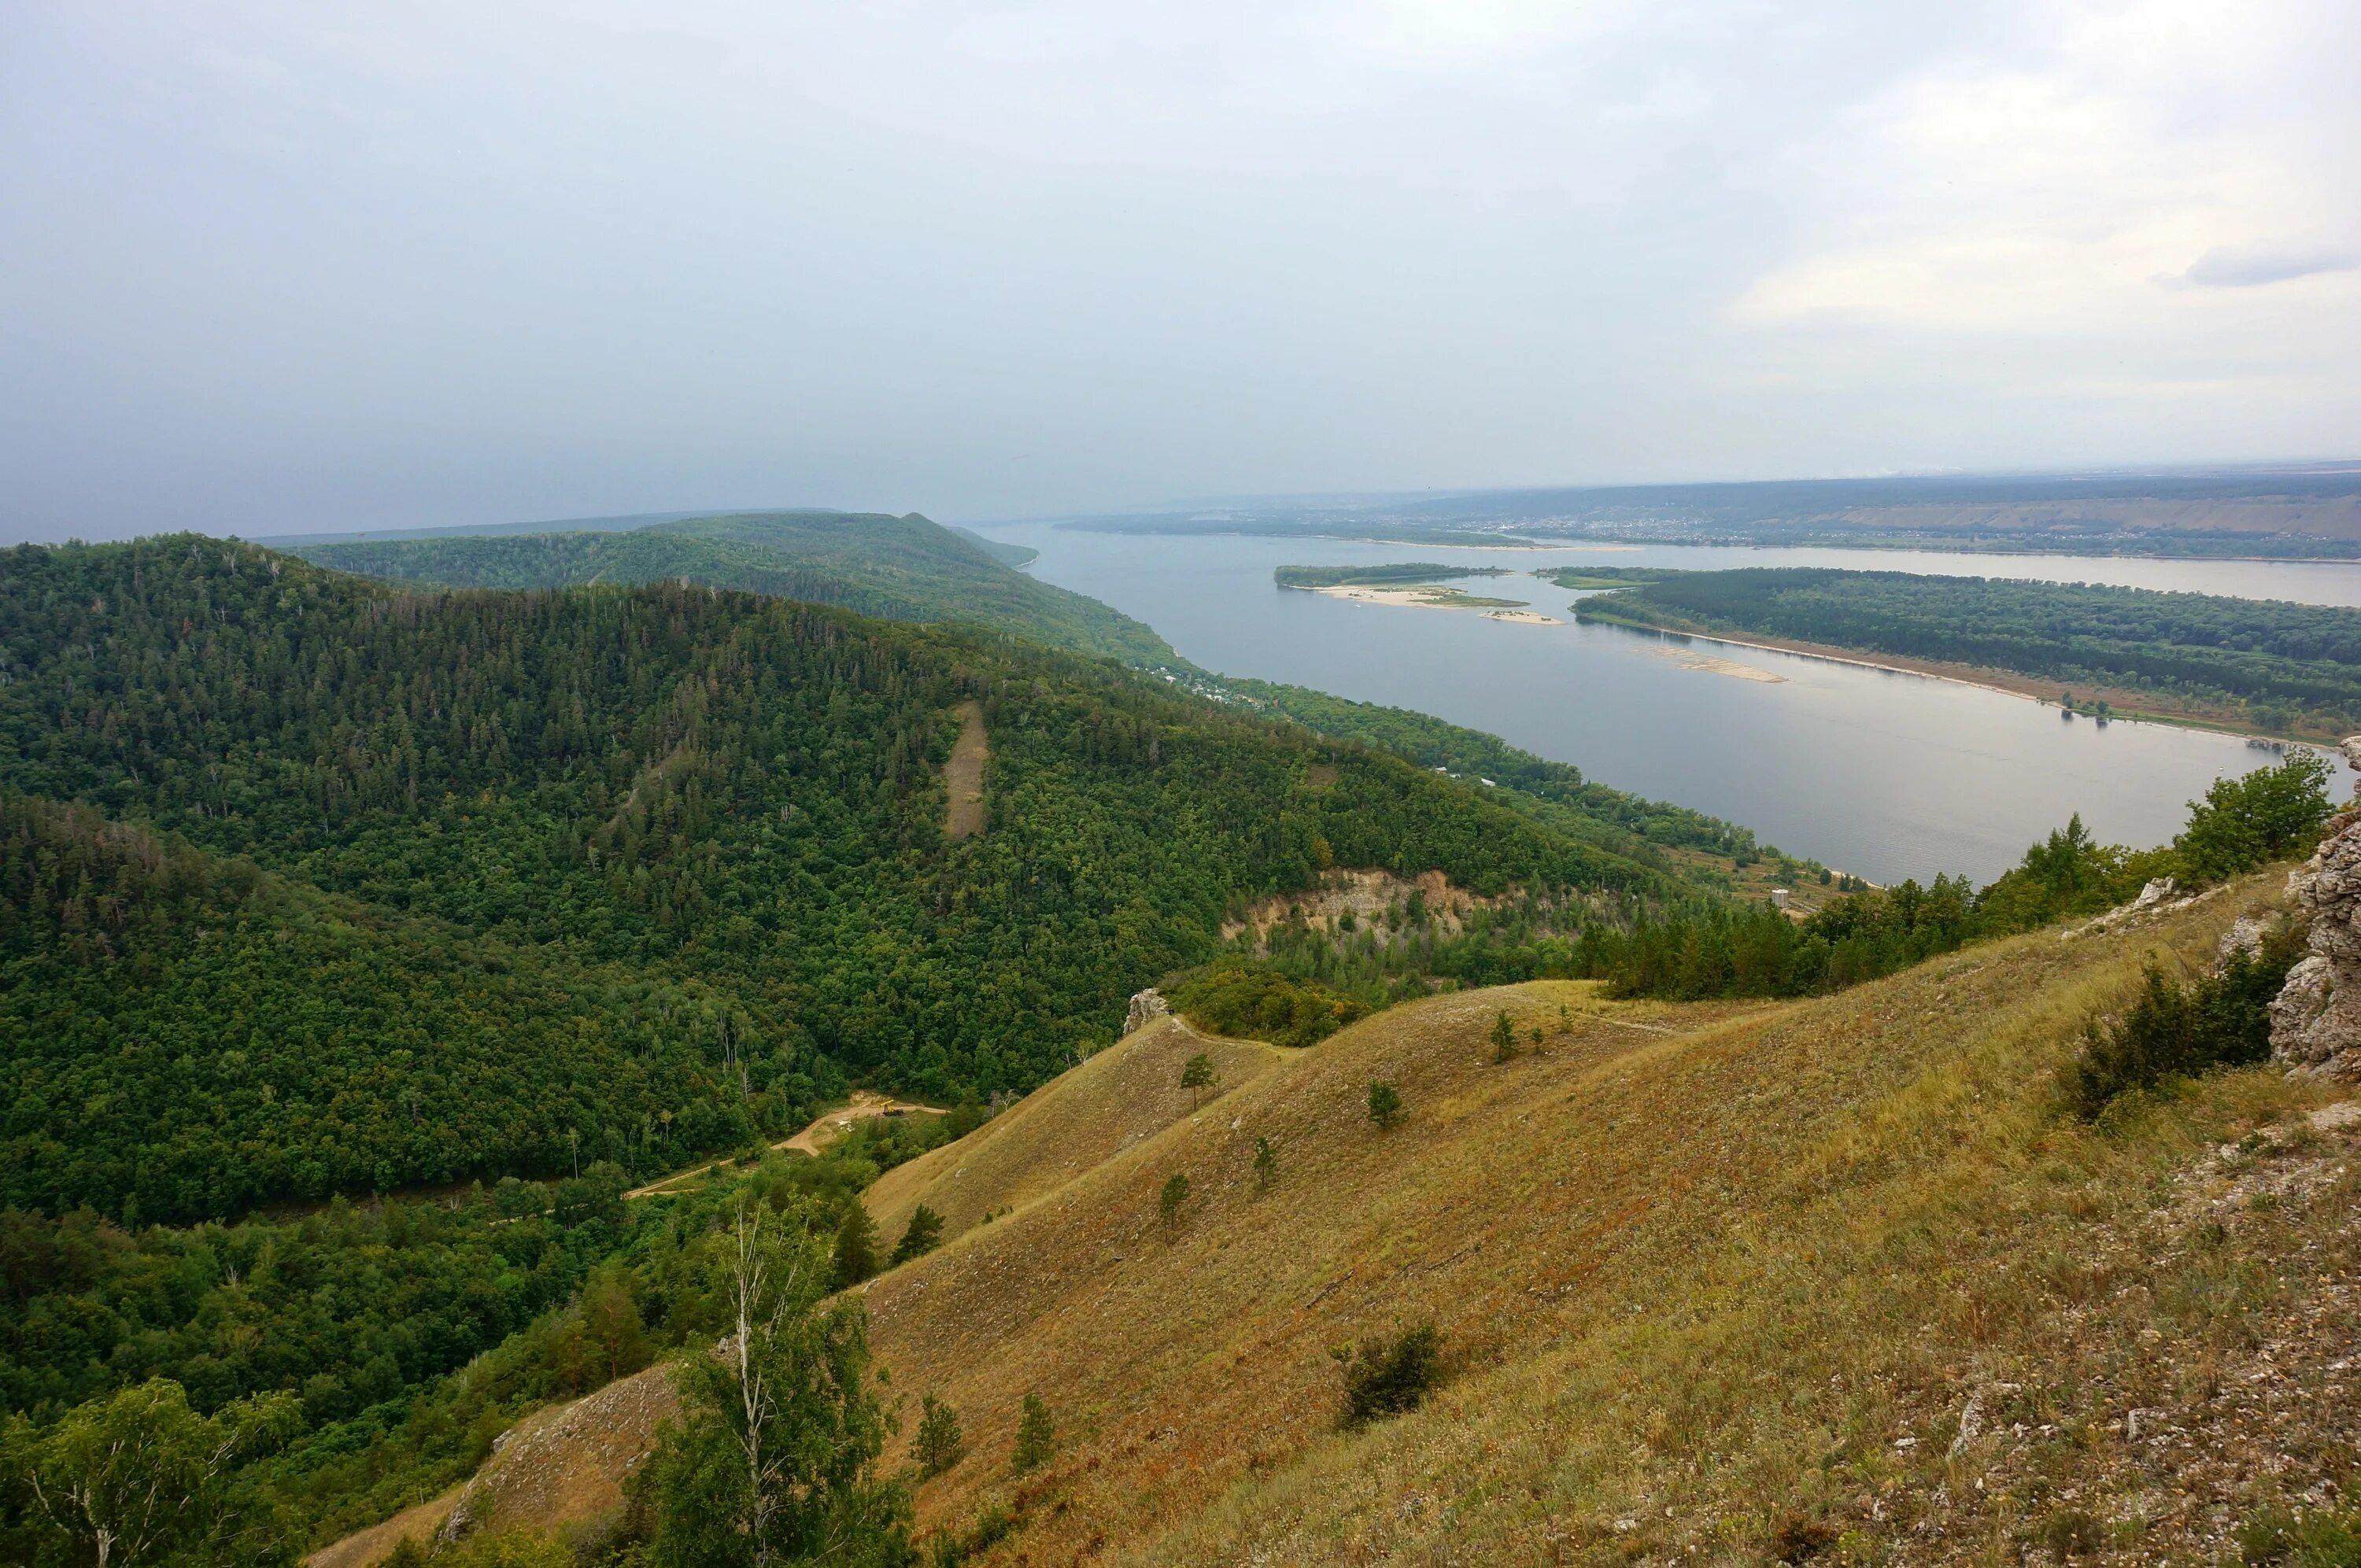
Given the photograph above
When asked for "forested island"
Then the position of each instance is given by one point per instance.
(2281, 668)
(1395, 574)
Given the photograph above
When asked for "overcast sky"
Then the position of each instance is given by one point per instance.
(277, 267)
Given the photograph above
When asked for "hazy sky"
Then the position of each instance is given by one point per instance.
(279, 267)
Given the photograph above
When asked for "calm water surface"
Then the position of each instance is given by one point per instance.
(1885, 775)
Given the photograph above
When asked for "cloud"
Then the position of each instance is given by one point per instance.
(2036, 189)
(2251, 267)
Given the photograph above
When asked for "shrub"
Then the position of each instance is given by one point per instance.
(1386, 1379)
(2278, 1538)
(2270, 814)
(1231, 998)
(2180, 1031)
(993, 1525)
(1385, 1104)
(1800, 1538)
(2073, 1532)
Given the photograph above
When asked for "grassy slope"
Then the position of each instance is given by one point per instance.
(1705, 1273)
(899, 568)
(1121, 1095)
(1718, 1271)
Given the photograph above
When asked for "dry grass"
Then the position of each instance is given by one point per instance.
(1119, 1096)
(560, 1471)
(1718, 1284)
(1698, 1286)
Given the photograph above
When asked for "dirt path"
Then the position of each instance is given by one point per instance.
(963, 775)
(823, 1131)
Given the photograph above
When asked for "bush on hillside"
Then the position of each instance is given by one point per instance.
(2274, 813)
(2177, 1030)
(2284, 1538)
(1387, 1378)
(2271, 814)
(1256, 1004)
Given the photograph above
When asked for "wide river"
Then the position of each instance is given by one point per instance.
(1886, 774)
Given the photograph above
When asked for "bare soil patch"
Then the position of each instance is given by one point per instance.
(963, 775)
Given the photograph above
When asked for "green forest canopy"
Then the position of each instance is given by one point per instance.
(897, 569)
(1401, 572)
(316, 885)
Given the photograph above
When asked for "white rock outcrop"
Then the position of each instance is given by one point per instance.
(2316, 1019)
(1146, 1008)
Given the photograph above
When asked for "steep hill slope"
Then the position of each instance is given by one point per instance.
(734, 806)
(1750, 1271)
(1735, 1282)
(899, 568)
(1121, 1096)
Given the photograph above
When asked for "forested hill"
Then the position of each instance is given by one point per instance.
(671, 857)
(900, 568)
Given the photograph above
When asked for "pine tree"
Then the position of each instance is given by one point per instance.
(939, 1445)
(1266, 1165)
(924, 1235)
(1385, 1104)
(1504, 1038)
(1036, 1436)
(856, 1247)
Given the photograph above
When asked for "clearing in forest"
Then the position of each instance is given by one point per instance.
(964, 774)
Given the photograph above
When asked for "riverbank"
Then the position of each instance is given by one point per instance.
(2132, 707)
(1432, 597)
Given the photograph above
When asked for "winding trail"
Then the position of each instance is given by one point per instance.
(824, 1131)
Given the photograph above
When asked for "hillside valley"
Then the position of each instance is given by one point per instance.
(413, 994)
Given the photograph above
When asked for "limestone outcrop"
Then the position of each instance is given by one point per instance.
(1146, 1008)
(2316, 1019)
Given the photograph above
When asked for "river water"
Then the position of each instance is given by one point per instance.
(1885, 775)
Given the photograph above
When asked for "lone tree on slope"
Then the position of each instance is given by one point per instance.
(924, 1235)
(939, 1444)
(1175, 1193)
(1036, 1436)
(1197, 1076)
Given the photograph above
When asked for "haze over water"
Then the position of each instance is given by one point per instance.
(1887, 774)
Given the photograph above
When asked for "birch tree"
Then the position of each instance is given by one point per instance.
(774, 1462)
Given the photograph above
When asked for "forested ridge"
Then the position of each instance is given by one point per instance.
(897, 569)
(2276, 665)
(540, 878)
